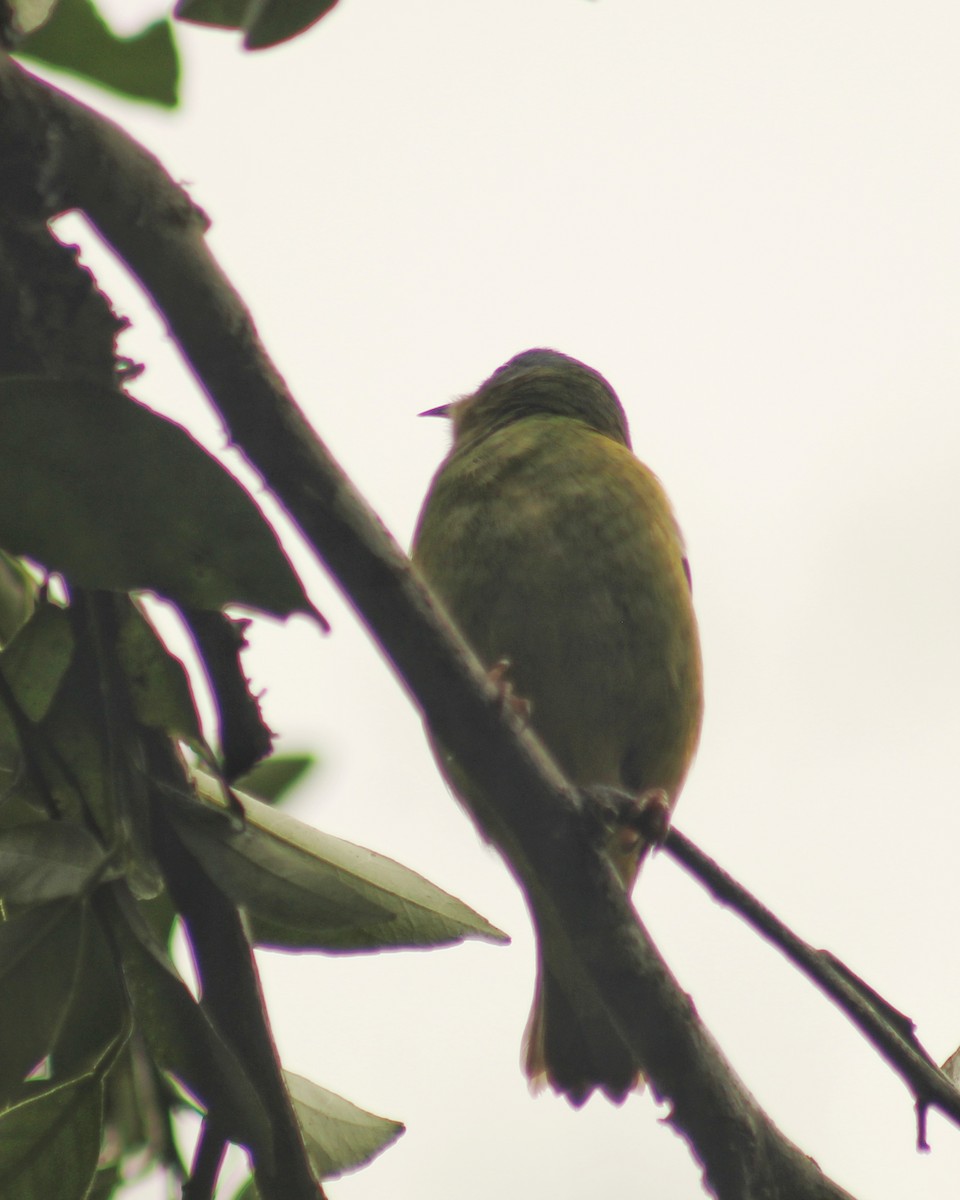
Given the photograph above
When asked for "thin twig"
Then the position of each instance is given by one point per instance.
(886, 1028)
(231, 991)
(207, 1161)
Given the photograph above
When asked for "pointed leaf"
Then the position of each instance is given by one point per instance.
(98, 1013)
(271, 779)
(71, 755)
(159, 685)
(276, 21)
(47, 860)
(33, 666)
(37, 658)
(78, 40)
(49, 1144)
(97, 486)
(339, 1136)
(265, 23)
(180, 1035)
(292, 899)
(39, 954)
(303, 889)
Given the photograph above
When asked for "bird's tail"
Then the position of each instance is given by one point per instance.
(575, 1051)
(571, 1043)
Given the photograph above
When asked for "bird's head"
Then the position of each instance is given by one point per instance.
(537, 383)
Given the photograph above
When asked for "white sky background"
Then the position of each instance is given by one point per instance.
(745, 215)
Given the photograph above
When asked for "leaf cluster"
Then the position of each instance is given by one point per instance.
(73, 36)
(112, 836)
(119, 822)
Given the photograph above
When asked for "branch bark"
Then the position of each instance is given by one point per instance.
(230, 987)
(67, 156)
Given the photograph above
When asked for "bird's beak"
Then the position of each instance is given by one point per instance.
(442, 410)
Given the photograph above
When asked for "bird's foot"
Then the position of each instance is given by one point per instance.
(509, 701)
(644, 819)
(628, 824)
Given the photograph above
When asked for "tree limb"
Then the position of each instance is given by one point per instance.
(230, 989)
(67, 156)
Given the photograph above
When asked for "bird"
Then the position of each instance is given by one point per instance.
(557, 556)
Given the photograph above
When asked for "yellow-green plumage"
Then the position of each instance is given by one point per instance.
(552, 546)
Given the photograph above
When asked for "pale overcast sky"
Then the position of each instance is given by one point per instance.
(745, 215)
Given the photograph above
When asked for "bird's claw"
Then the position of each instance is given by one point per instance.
(629, 824)
(656, 809)
(509, 701)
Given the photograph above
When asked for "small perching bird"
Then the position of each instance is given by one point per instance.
(556, 554)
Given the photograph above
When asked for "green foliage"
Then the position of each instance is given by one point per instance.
(340, 1136)
(159, 687)
(86, 975)
(39, 957)
(180, 1036)
(34, 663)
(264, 22)
(49, 1141)
(48, 861)
(146, 66)
(77, 39)
(88, 991)
(180, 525)
(272, 779)
(108, 835)
(302, 889)
(103, 826)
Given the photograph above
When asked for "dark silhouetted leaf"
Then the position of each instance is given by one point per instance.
(270, 780)
(181, 1037)
(244, 735)
(33, 666)
(158, 683)
(34, 663)
(39, 954)
(264, 22)
(78, 40)
(47, 860)
(50, 1143)
(97, 1014)
(70, 753)
(97, 486)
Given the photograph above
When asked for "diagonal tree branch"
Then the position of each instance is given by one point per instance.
(67, 156)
